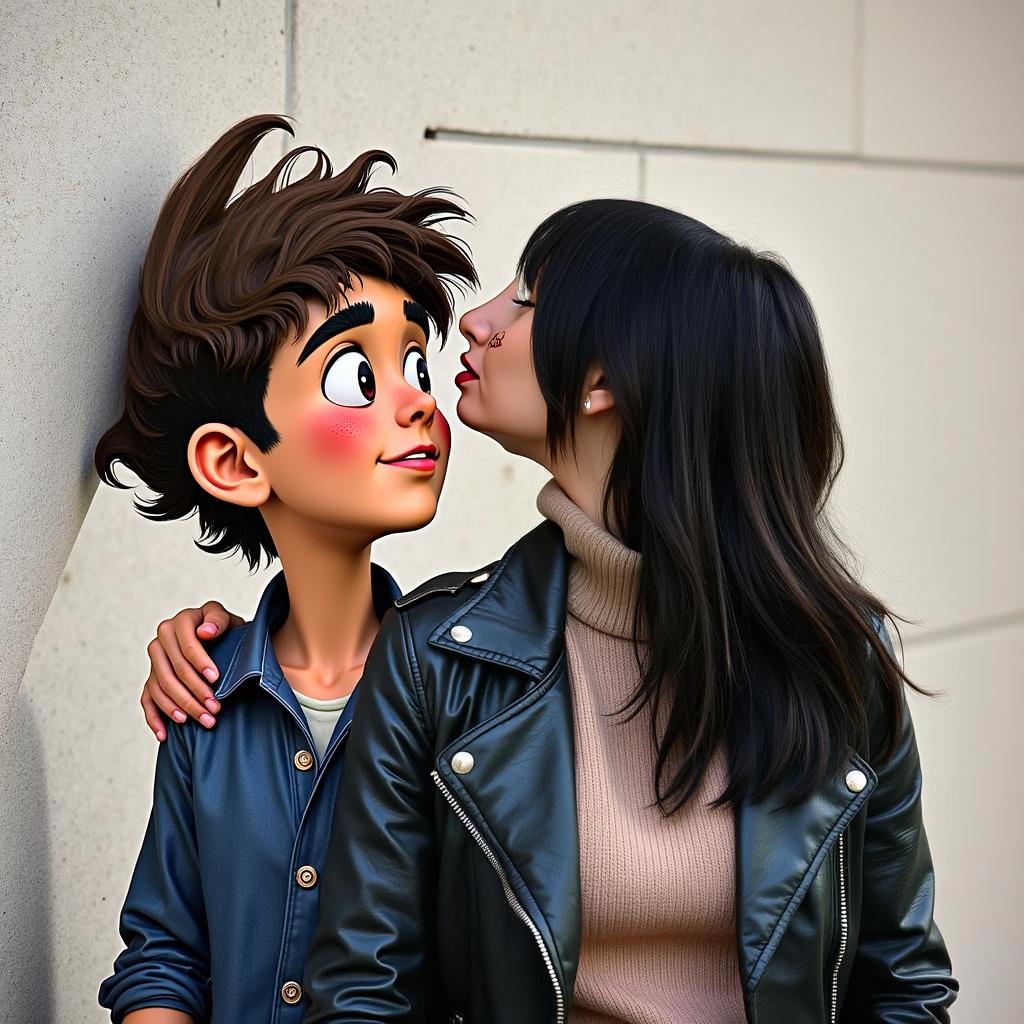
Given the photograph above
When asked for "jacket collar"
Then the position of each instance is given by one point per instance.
(517, 617)
(254, 657)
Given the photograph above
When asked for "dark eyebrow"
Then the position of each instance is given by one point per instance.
(416, 314)
(359, 314)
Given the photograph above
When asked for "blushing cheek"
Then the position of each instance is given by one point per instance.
(339, 434)
(445, 430)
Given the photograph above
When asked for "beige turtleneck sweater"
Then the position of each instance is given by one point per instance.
(658, 894)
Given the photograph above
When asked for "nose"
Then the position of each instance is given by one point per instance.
(416, 407)
(475, 326)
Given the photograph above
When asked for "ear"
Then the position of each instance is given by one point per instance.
(225, 463)
(595, 388)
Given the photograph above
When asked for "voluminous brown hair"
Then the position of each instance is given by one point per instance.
(224, 284)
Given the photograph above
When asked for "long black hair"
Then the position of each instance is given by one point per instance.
(750, 626)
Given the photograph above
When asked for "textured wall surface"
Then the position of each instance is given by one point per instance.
(103, 105)
(877, 146)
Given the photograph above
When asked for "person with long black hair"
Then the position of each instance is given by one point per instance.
(655, 765)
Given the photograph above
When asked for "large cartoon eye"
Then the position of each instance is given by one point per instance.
(348, 379)
(415, 370)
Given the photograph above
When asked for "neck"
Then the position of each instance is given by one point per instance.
(331, 619)
(583, 472)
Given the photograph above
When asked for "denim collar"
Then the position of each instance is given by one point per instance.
(254, 656)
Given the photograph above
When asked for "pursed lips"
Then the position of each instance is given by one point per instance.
(468, 374)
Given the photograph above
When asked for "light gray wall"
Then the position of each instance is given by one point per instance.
(877, 146)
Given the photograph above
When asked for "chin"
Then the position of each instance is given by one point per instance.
(471, 418)
(411, 513)
(467, 414)
(407, 525)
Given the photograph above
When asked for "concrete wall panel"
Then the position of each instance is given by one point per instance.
(734, 73)
(94, 134)
(943, 80)
(969, 741)
(914, 275)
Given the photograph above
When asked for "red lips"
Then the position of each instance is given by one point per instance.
(468, 374)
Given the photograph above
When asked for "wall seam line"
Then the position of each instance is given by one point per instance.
(437, 134)
(289, 66)
(966, 630)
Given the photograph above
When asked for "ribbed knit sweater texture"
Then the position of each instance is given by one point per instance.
(658, 893)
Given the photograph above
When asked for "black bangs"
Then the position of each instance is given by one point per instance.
(548, 237)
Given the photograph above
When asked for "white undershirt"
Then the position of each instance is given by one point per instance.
(321, 717)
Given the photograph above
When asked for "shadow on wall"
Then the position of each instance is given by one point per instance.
(26, 979)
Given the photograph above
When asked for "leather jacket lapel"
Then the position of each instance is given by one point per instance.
(778, 853)
(525, 751)
(517, 619)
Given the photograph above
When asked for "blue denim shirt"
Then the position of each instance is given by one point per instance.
(225, 895)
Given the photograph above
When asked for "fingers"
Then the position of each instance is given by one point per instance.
(170, 693)
(188, 656)
(165, 703)
(217, 620)
(167, 707)
(178, 663)
(176, 637)
(152, 713)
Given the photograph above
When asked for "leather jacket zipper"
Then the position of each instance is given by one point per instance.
(843, 927)
(510, 895)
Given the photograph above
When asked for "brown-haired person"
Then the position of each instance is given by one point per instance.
(277, 386)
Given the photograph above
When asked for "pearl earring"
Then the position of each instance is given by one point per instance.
(586, 403)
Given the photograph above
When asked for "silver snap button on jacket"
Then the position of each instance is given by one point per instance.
(856, 780)
(461, 634)
(462, 762)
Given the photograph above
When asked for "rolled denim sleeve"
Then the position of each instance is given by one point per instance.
(166, 960)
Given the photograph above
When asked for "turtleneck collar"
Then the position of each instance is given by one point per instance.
(604, 574)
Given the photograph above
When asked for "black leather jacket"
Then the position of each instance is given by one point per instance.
(451, 890)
